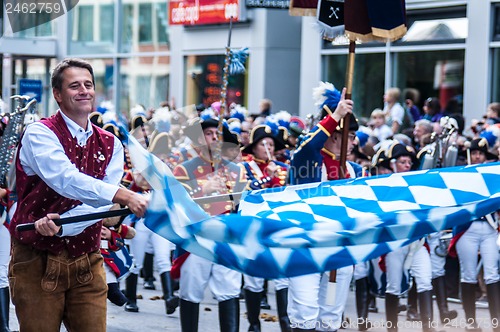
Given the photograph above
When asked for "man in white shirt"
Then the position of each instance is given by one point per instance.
(66, 166)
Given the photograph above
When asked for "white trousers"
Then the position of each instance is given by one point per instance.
(256, 284)
(307, 303)
(437, 262)
(161, 248)
(480, 237)
(4, 256)
(420, 269)
(197, 273)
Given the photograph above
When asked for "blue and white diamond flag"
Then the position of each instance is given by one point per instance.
(302, 229)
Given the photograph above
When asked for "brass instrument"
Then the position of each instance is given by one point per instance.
(312, 120)
(12, 134)
(443, 151)
(444, 243)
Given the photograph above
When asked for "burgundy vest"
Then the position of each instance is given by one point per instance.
(36, 199)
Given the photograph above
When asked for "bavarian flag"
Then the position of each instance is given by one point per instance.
(362, 20)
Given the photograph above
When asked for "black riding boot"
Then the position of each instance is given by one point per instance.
(282, 304)
(439, 288)
(189, 312)
(263, 301)
(4, 309)
(412, 310)
(372, 303)
(469, 304)
(171, 301)
(425, 305)
(391, 311)
(131, 293)
(115, 295)
(229, 315)
(493, 292)
(362, 301)
(252, 301)
(147, 271)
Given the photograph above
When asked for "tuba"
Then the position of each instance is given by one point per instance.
(12, 133)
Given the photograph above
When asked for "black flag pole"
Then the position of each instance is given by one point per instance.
(75, 219)
(232, 197)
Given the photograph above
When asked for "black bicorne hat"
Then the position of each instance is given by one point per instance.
(260, 132)
(96, 118)
(481, 144)
(397, 150)
(196, 126)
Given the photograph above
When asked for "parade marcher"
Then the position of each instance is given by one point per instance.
(315, 160)
(113, 234)
(146, 239)
(65, 166)
(415, 257)
(162, 249)
(478, 236)
(438, 277)
(203, 177)
(264, 172)
(363, 295)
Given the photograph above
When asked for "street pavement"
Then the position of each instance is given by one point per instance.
(152, 316)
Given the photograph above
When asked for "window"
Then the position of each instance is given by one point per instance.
(496, 22)
(495, 84)
(145, 23)
(40, 29)
(106, 23)
(127, 27)
(368, 85)
(204, 81)
(434, 74)
(143, 81)
(435, 30)
(445, 25)
(161, 22)
(85, 28)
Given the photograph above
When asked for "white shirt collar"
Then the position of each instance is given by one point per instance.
(76, 131)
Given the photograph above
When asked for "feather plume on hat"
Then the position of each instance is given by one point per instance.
(162, 119)
(272, 123)
(137, 110)
(239, 112)
(234, 125)
(283, 118)
(326, 95)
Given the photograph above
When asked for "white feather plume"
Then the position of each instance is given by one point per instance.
(162, 119)
(319, 92)
(137, 110)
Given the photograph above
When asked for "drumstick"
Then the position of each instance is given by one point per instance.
(267, 150)
(467, 149)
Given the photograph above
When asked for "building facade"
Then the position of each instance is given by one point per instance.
(451, 51)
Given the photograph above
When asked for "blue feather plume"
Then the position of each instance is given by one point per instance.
(238, 59)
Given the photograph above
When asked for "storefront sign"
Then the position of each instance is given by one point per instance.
(198, 12)
(284, 4)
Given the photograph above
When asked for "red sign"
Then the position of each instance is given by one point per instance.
(197, 12)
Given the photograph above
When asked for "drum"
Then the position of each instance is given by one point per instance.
(123, 261)
(444, 243)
